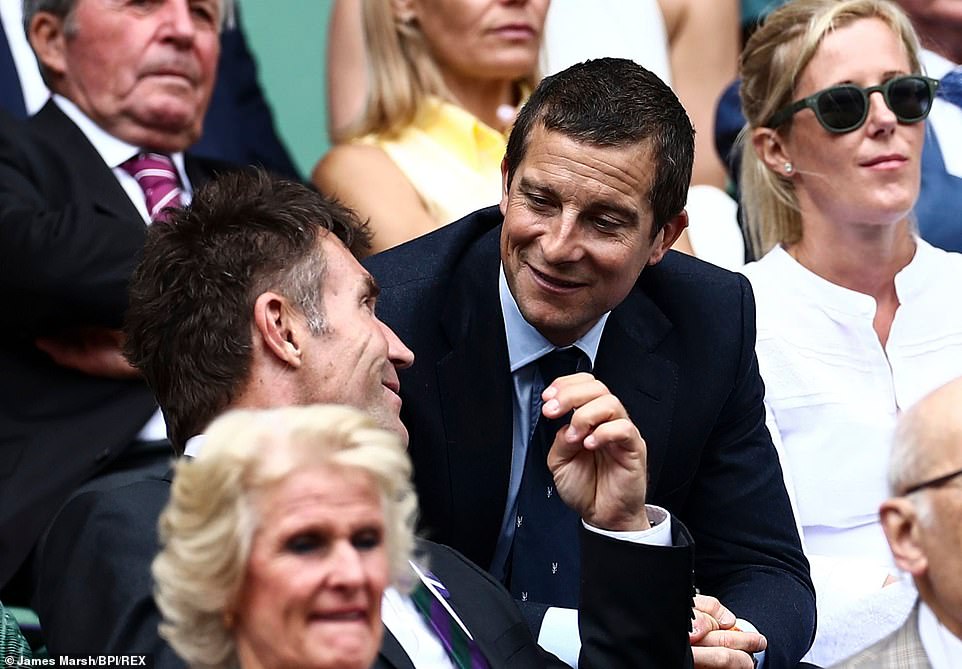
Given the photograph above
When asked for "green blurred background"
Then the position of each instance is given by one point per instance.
(288, 38)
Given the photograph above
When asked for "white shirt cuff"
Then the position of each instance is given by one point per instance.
(559, 634)
(559, 627)
(659, 534)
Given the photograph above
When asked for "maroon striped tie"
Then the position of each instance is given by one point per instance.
(157, 177)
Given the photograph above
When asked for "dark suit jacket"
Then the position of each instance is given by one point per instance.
(238, 126)
(678, 352)
(94, 595)
(69, 241)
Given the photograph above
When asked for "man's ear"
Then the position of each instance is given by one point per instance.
(504, 185)
(771, 150)
(49, 42)
(667, 236)
(901, 524)
(276, 324)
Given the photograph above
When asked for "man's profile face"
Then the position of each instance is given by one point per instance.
(355, 358)
(577, 231)
(940, 536)
(141, 69)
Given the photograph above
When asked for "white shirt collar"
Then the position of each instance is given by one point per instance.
(113, 150)
(194, 444)
(941, 646)
(909, 281)
(525, 343)
(934, 65)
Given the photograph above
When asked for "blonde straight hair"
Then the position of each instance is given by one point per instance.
(771, 63)
(402, 73)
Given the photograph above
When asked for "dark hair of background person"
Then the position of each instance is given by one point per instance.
(243, 234)
(614, 102)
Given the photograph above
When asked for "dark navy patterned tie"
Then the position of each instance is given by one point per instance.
(545, 553)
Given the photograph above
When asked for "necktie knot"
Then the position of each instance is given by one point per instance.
(561, 362)
(157, 178)
(950, 87)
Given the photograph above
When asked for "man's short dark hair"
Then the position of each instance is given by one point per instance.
(192, 297)
(615, 102)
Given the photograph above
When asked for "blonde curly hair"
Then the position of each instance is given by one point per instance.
(207, 528)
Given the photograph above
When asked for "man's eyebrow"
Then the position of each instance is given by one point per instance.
(371, 287)
(528, 185)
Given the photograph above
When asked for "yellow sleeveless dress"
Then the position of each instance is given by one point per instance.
(452, 159)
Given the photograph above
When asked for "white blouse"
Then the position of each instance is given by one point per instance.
(833, 394)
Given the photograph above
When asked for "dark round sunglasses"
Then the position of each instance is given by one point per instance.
(844, 108)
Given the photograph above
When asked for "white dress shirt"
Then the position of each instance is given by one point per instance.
(943, 648)
(833, 395)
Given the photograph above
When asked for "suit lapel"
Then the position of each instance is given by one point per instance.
(477, 424)
(644, 380)
(96, 180)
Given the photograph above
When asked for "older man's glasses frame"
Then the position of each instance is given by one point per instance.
(933, 483)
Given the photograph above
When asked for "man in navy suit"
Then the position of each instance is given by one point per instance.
(252, 299)
(595, 178)
(238, 127)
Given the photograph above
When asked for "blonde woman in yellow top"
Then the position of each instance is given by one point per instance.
(446, 77)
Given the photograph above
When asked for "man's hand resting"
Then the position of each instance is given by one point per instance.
(716, 642)
(93, 351)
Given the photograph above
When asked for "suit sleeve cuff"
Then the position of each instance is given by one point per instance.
(659, 534)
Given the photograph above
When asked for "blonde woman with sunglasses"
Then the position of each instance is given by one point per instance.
(858, 318)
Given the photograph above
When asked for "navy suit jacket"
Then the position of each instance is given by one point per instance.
(69, 241)
(95, 589)
(939, 207)
(238, 128)
(678, 352)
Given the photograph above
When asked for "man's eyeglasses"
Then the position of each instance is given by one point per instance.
(844, 108)
(933, 483)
